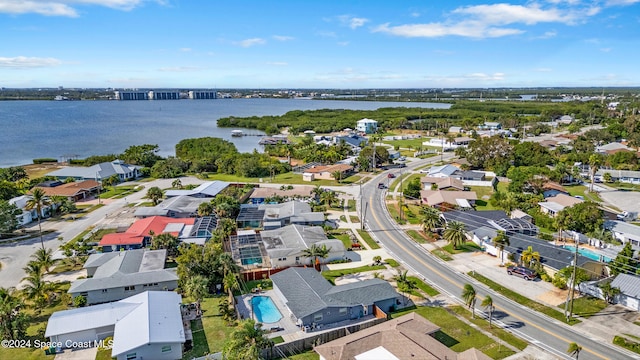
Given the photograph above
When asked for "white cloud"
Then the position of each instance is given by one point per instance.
(343, 43)
(23, 62)
(251, 42)
(63, 7)
(277, 63)
(494, 20)
(621, 2)
(283, 37)
(350, 75)
(606, 50)
(352, 21)
(415, 14)
(185, 49)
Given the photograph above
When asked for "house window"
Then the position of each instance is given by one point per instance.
(342, 311)
(104, 290)
(317, 317)
(166, 348)
(129, 288)
(132, 356)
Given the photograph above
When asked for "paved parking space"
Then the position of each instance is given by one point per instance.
(79, 354)
(623, 200)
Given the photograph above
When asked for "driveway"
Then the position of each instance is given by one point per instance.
(77, 354)
(623, 200)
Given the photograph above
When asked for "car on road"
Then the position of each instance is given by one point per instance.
(526, 273)
(390, 175)
(382, 186)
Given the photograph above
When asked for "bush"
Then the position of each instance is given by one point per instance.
(545, 277)
(559, 282)
(627, 344)
(79, 301)
(45, 160)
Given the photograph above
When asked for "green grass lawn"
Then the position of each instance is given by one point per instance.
(586, 306)
(331, 275)
(104, 354)
(368, 239)
(468, 246)
(407, 143)
(415, 235)
(496, 331)
(308, 355)
(118, 191)
(458, 335)
(424, 286)
(351, 205)
(392, 262)
(287, 178)
(341, 235)
(523, 300)
(442, 254)
(354, 219)
(581, 190)
(411, 213)
(215, 329)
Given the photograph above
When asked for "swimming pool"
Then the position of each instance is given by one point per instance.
(265, 310)
(588, 253)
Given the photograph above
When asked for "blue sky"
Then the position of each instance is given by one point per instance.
(318, 44)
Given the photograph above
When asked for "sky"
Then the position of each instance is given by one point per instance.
(318, 44)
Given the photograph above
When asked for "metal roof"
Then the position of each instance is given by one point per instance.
(628, 285)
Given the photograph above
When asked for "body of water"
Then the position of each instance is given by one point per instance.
(588, 253)
(56, 129)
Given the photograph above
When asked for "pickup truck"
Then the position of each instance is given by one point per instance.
(627, 216)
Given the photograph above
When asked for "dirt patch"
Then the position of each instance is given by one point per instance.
(39, 170)
(554, 297)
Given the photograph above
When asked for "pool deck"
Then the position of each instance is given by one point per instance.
(291, 330)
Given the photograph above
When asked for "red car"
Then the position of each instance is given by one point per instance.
(390, 175)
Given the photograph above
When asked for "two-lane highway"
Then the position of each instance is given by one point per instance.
(549, 334)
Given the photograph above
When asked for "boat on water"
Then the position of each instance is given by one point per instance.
(236, 133)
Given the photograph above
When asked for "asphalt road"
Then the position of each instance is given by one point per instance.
(549, 334)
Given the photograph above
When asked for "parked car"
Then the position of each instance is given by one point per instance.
(526, 273)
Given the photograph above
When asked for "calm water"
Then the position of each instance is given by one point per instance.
(34, 129)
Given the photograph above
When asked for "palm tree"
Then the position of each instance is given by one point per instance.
(337, 175)
(13, 322)
(574, 349)
(328, 197)
(469, 297)
(37, 289)
(226, 264)
(609, 292)
(501, 241)
(166, 241)
(455, 234)
(246, 342)
(315, 251)
(196, 287)
(44, 257)
(154, 194)
(405, 284)
(528, 256)
(226, 311)
(38, 201)
(230, 283)
(430, 218)
(177, 183)
(56, 202)
(594, 164)
(33, 267)
(488, 304)
(205, 209)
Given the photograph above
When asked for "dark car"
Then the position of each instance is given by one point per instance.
(382, 186)
(526, 273)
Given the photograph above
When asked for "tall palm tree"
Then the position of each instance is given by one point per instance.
(196, 287)
(430, 218)
(37, 289)
(528, 256)
(487, 303)
(595, 161)
(315, 252)
(328, 197)
(38, 201)
(166, 241)
(574, 349)
(226, 311)
(246, 342)
(205, 209)
(154, 194)
(230, 283)
(226, 264)
(56, 202)
(469, 297)
(13, 322)
(501, 241)
(44, 257)
(405, 284)
(455, 233)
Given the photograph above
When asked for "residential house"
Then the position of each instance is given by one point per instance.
(144, 326)
(367, 126)
(491, 125)
(483, 227)
(455, 130)
(442, 171)
(551, 188)
(465, 199)
(285, 246)
(623, 176)
(100, 171)
(327, 172)
(612, 146)
(28, 216)
(247, 249)
(74, 191)
(182, 206)
(263, 194)
(625, 232)
(273, 216)
(629, 286)
(519, 214)
(410, 336)
(208, 189)
(554, 204)
(462, 141)
(312, 300)
(565, 119)
(439, 183)
(117, 275)
(354, 140)
(139, 234)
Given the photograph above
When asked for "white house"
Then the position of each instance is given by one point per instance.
(367, 126)
(100, 171)
(624, 232)
(629, 286)
(145, 326)
(285, 245)
(28, 216)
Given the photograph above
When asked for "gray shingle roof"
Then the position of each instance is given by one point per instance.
(307, 291)
(209, 189)
(98, 171)
(628, 285)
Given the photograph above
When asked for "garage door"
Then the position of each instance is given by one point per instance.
(631, 303)
(80, 336)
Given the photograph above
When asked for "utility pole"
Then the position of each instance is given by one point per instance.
(568, 306)
(361, 205)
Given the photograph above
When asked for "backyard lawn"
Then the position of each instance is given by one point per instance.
(210, 333)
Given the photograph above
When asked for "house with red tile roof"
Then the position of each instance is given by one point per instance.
(140, 233)
(75, 191)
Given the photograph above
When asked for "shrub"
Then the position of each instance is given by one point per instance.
(45, 160)
(545, 277)
(79, 301)
(627, 344)
(559, 282)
